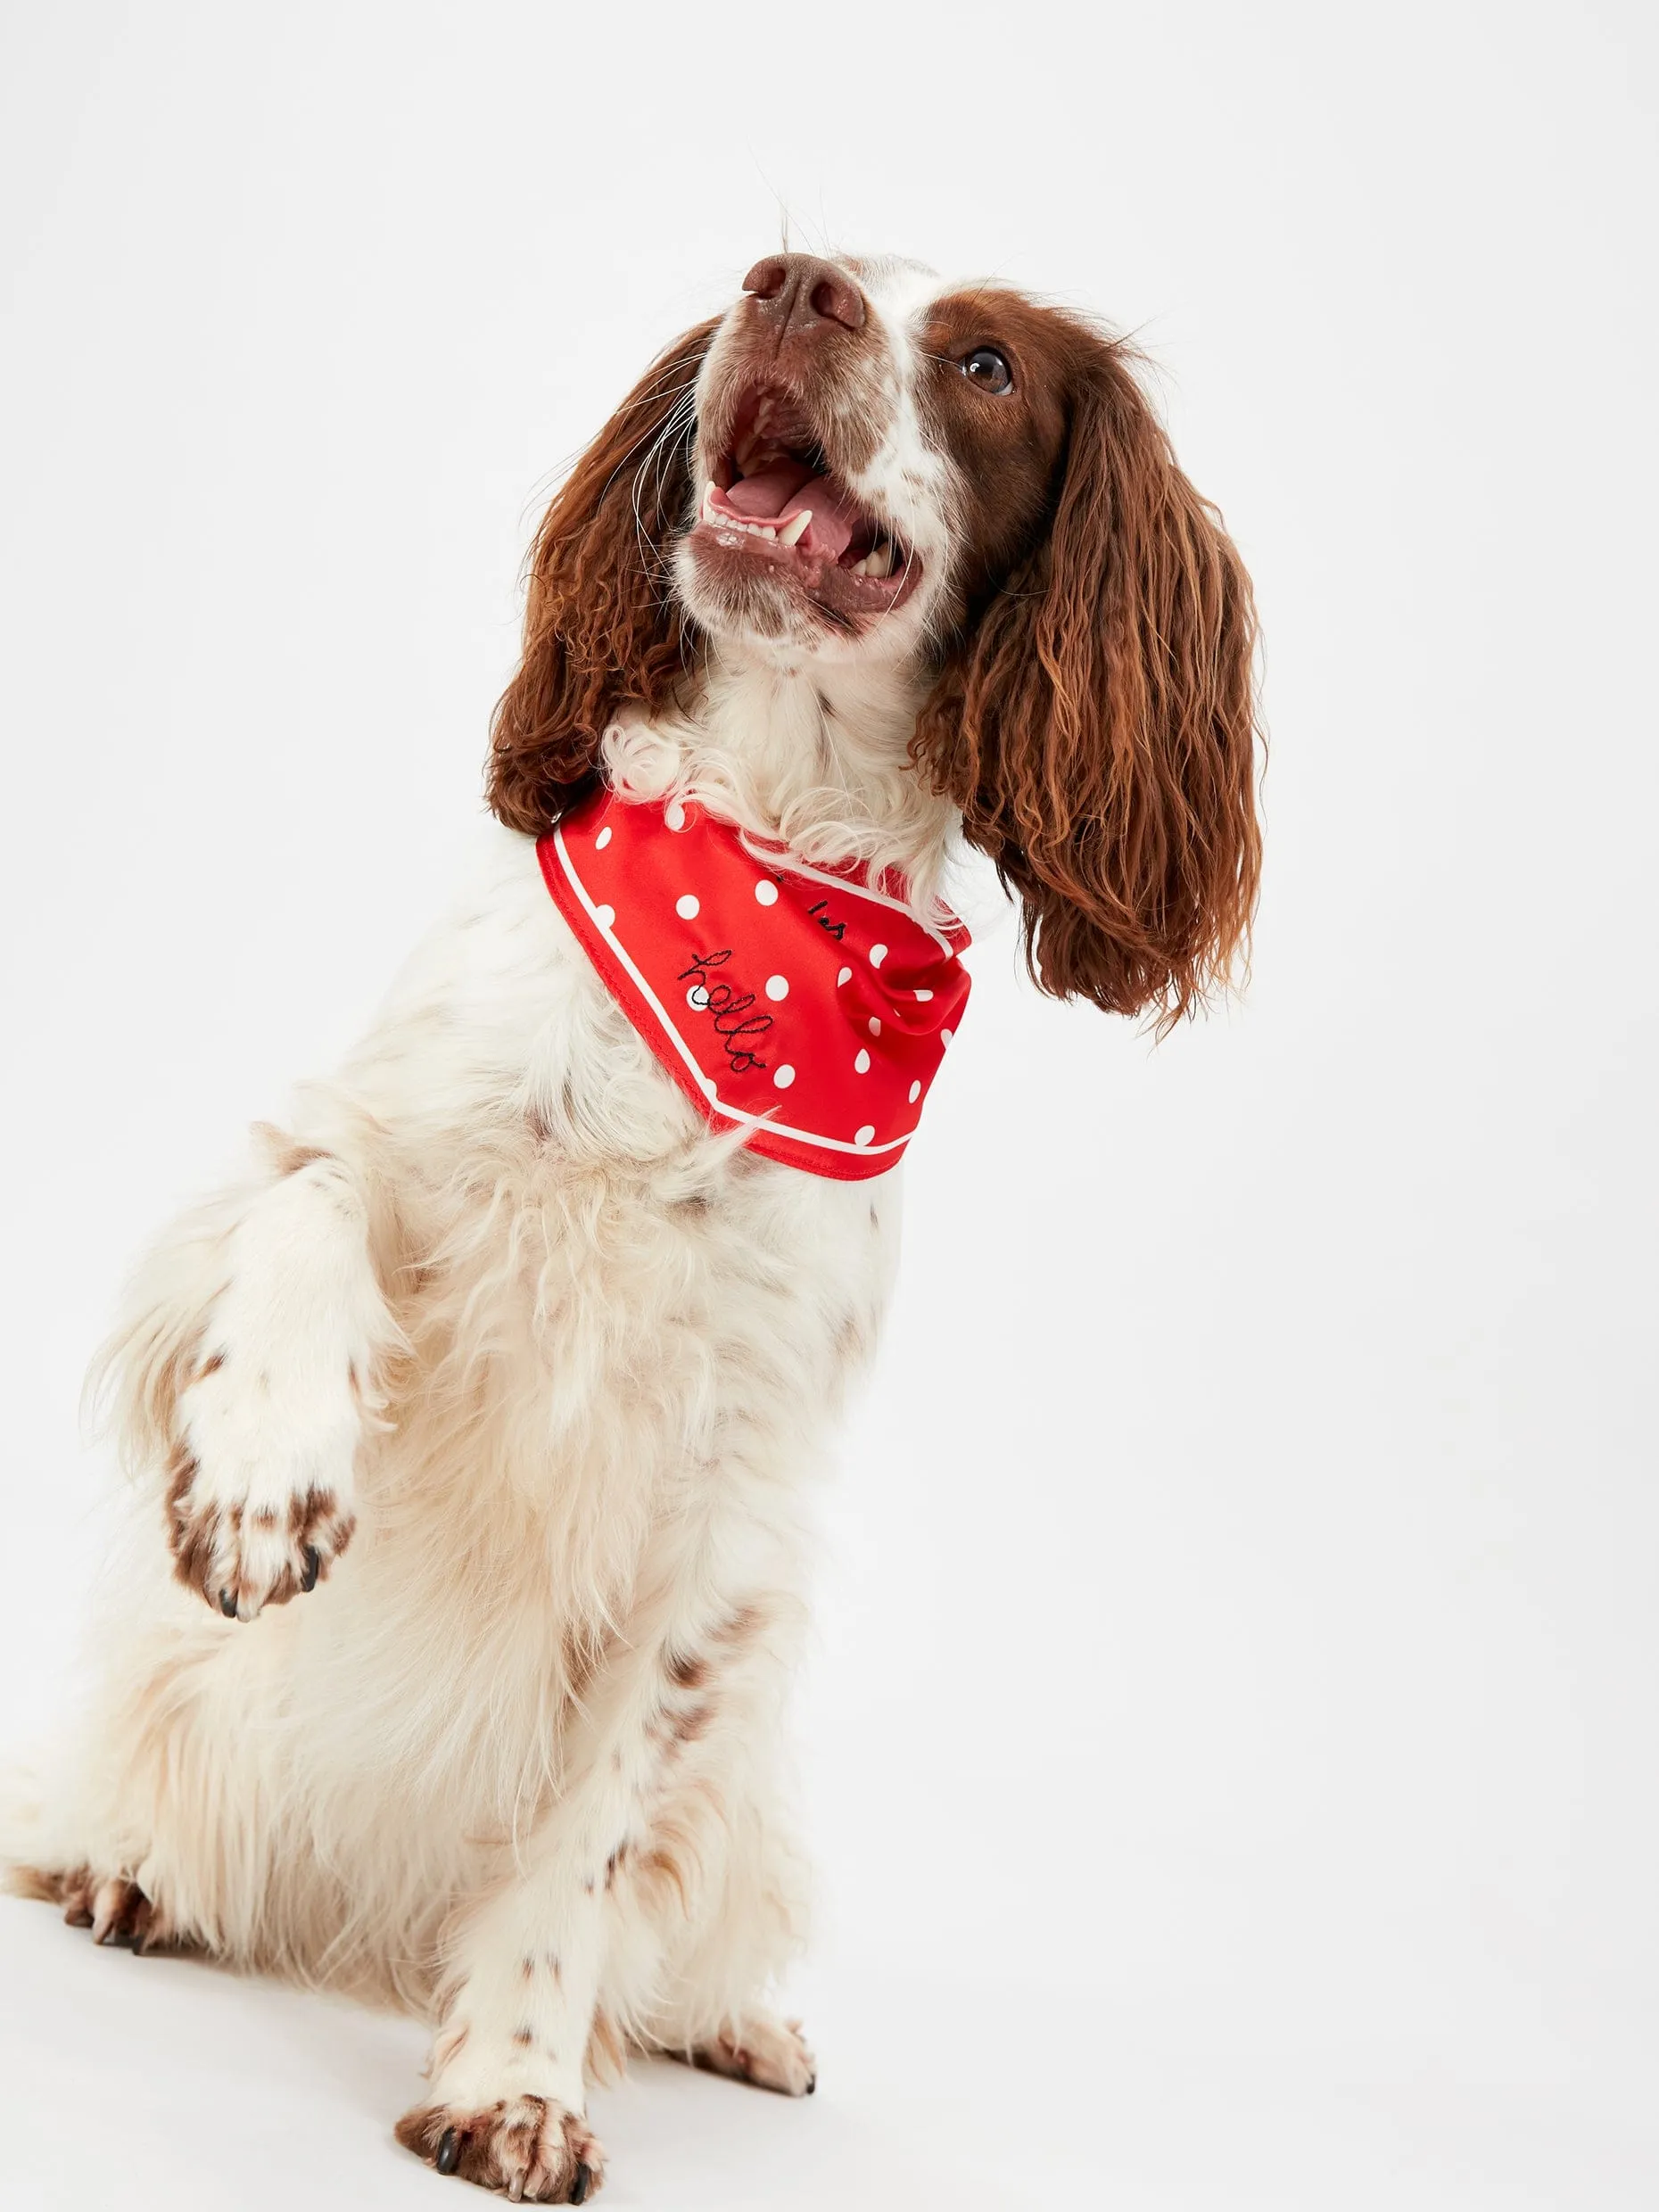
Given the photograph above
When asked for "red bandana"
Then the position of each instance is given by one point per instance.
(805, 1004)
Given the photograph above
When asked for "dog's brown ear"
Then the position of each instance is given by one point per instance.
(601, 623)
(1097, 723)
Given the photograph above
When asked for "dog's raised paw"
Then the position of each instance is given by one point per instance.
(244, 1555)
(532, 2148)
(258, 1505)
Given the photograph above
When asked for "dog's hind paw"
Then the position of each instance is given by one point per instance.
(771, 2053)
(111, 1905)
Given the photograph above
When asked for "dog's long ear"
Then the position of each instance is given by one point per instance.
(1097, 723)
(601, 624)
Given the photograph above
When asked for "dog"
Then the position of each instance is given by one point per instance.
(481, 1411)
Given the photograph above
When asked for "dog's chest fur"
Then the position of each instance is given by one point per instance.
(616, 1321)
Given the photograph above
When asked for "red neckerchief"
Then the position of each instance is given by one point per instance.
(807, 1004)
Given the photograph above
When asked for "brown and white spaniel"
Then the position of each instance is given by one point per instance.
(509, 1362)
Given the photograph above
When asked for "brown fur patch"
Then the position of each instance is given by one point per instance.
(1095, 717)
(665, 1868)
(741, 1627)
(43, 1885)
(286, 1153)
(530, 2147)
(194, 1531)
(853, 1346)
(599, 626)
(672, 1860)
(114, 1908)
(207, 1538)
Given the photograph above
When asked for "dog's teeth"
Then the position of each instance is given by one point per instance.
(760, 530)
(879, 560)
(795, 529)
(709, 490)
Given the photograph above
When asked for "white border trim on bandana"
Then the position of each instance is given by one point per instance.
(706, 1082)
(840, 883)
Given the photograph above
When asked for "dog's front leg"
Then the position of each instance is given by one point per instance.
(508, 2070)
(284, 1367)
(524, 1962)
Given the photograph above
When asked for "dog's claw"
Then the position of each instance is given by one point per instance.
(579, 2187)
(227, 1604)
(313, 1567)
(448, 2151)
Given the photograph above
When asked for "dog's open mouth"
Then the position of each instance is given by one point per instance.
(774, 495)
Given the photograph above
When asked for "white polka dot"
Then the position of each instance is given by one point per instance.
(783, 1077)
(674, 815)
(945, 1036)
(864, 1135)
(863, 1063)
(924, 994)
(604, 916)
(687, 908)
(698, 996)
(846, 976)
(766, 892)
(878, 954)
(603, 839)
(875, 1025)
(777, 986)
(915, 1092)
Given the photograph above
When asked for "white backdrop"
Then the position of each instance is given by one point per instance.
(1230, 1745)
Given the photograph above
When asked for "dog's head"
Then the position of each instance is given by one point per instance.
(856, 464)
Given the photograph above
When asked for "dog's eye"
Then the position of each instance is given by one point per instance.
(988, 369)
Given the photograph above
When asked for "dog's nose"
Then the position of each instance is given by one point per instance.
(798, 287)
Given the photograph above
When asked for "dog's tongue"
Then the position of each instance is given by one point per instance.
(762, 497)
(775, 494)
